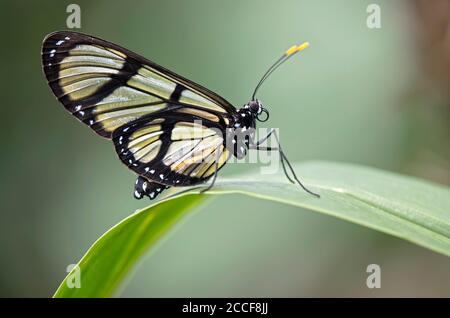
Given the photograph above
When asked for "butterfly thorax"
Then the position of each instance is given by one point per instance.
(241, 131)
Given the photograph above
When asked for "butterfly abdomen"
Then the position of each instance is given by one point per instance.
(144, 187)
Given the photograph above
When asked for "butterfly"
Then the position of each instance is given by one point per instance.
(169, 130)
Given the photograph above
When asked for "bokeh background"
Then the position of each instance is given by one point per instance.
(378, 97)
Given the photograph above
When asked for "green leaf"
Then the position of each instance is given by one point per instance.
(408, 208)
(113, 255)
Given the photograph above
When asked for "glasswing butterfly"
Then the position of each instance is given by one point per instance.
(169, 130)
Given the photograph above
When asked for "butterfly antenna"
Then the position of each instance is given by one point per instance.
(286, 56)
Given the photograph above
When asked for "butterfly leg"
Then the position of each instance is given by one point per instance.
(258, 146)
(283, 158)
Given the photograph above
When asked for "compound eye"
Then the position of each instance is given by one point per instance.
(254, 107)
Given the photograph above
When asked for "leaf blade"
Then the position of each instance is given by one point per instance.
(112, 256)
(408, 208)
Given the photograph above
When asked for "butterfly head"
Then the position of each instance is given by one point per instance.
(257, 110)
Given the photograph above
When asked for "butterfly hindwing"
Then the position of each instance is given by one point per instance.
(106, 86)
(175, 149)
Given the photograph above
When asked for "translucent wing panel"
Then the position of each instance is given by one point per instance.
(201, 163)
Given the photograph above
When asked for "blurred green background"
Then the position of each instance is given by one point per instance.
(376, 97)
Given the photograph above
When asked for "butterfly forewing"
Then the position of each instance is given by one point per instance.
(107, 86)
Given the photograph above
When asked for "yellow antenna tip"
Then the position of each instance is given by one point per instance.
(296, 48)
